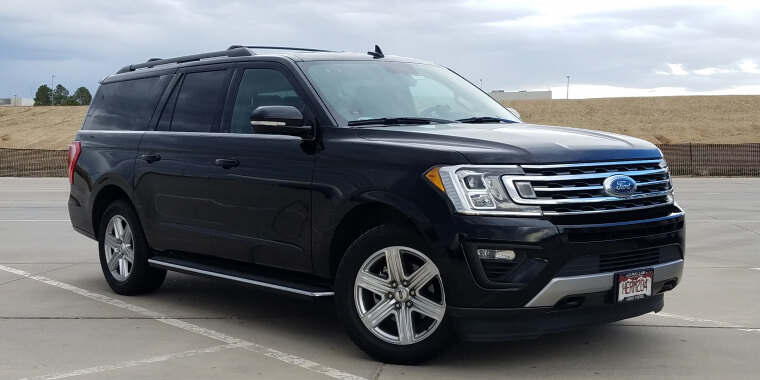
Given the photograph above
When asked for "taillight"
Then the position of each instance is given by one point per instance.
(74, 149)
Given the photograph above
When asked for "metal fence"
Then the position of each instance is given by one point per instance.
(33, 163)
(713, 160)
(739, 160)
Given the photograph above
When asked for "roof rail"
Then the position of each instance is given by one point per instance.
(279, 48)
(237, 52)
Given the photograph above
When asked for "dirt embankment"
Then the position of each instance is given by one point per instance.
(661, 120)
(40, 127)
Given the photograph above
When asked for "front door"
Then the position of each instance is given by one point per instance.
(260, 183)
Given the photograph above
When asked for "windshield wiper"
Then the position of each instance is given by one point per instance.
(399, 121)
(485, 119)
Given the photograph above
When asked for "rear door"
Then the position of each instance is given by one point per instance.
(262, 203)
(173, 160)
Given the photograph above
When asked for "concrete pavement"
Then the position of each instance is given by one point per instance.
(59, 319)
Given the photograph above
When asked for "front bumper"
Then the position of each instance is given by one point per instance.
(556, 294)
(490, 325)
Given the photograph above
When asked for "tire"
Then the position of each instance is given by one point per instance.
(395, 313)
(121, 240)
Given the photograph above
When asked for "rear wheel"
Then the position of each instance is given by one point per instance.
(124, 252)
(390, 296)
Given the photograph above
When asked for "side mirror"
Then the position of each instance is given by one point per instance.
(279, 120)
(514, 112)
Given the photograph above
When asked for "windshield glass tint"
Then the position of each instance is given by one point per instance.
(362, 90)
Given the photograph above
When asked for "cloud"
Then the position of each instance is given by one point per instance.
(508, 44)
(586, 91)
(713, 71)
(749, 67)
(677, 69)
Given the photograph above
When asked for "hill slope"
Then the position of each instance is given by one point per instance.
(699, 119)
(679, 119)
(40, 127)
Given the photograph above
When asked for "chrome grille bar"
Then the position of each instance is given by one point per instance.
(576, 189)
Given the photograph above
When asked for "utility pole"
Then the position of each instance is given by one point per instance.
(481, 84)
(15, 102)
(52, 83)
(568, 87)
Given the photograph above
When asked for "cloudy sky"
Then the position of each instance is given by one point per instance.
(609, 48)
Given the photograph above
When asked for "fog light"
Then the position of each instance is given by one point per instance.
(496, 254)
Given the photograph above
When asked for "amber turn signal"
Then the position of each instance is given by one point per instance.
(435, 178)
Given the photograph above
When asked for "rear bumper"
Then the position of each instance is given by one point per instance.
(80, 216)
(488, 325)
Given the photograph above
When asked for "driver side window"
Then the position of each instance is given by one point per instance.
(261, 87)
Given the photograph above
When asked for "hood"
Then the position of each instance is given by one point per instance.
(517, 143)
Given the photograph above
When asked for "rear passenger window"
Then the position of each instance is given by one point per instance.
(192, 105)
(117, 105)
(261, 87)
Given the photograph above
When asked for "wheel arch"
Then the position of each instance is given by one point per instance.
(373, 209)
(105, 196)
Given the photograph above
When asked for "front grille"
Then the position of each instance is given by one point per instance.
(591, 234)
(619, 261)
(577, 189)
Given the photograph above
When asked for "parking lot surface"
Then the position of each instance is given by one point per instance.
(59, 319)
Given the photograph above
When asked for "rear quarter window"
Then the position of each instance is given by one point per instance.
(117, 105)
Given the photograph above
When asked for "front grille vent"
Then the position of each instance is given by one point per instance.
(619, 261)
(591, 234)
(499, 270)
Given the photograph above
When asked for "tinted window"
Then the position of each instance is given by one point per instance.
(118, 104)
(192, 108)
(261, 87)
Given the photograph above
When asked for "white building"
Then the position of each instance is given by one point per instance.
(520, 95)
(16, 102)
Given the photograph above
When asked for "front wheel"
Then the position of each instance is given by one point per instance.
(124, 252)
(390, 297)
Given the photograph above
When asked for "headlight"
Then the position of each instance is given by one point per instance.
(478, 190)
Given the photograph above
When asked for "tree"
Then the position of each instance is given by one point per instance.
(82, 96)
(42, 97)
(60, 94)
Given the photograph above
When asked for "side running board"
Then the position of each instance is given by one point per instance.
(256, 278)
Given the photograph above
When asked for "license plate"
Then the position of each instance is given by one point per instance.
(633, 285)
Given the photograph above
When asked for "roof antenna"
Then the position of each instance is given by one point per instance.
(378, 53)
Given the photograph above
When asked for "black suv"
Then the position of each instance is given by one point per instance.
(424, 207)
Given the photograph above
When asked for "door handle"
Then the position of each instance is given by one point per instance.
(150, 157)
(227, 162)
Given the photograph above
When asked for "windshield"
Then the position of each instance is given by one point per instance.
(367, 90)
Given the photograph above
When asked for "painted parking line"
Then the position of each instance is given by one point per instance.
(708, 321)
(32, 220)
(755, 268)
(723, 221)
(134, 363)
(257, 348)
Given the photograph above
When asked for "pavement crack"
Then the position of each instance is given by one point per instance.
(378, 372)
(47, 271)
(722, 221)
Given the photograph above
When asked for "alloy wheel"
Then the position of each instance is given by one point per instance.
(119, 248)
(399, 295)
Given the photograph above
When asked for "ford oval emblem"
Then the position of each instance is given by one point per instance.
(620, 186)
